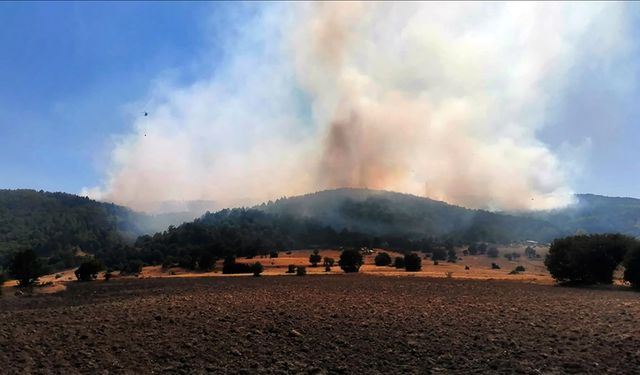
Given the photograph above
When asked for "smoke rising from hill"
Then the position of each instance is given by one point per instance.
(438, 100)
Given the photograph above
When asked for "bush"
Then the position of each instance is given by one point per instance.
(632, 267)
(587, 259)
(88, 271)
(257, 268)
(273, 254)
(315, 258)
(291, 268)
(382, 259)
(519, 269)
(495, 266)
(350, 260)
(398, 262)
(301, 271)
(26, 267)
(493, 252)
(412, 262)
(231, 267)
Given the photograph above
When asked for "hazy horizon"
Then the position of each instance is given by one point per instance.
(500, 106)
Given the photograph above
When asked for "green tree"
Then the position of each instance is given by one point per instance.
(26, 267)
(398, 262)
(412, 262)
(88, 270)
(315, 258)
(350, 260)
(382, 259)
(588, 259)
(257, 269)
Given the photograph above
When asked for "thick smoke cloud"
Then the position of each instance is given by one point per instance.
(438, 100)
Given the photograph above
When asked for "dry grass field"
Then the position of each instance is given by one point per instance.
(479, 267)
(351, 324)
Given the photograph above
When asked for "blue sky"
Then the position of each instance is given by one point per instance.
(71, 73)
(67, 70)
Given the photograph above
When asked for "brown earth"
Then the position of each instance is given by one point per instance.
(362, 324)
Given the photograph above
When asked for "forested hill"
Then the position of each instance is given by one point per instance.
(56, 223)
(386, 213)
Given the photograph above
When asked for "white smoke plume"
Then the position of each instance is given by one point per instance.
(443, 100)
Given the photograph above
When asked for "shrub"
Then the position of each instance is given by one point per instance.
(26, 267)
(519, 269)
(435, 263)
(257, 268)
(273, 254)
(493, 252)
(587, 259)
(231, 267)
(301, 271)
(88, 271)
(315, 258)
(632, 267)
(350, 260)
(291, 268)
(495, 266)
(398, 262)
(382, 259)
(467, 268)
(412, 262)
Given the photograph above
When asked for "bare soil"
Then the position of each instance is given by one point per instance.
(362, 324)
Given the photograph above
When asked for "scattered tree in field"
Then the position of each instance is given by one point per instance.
(301, 271)
(257, 269)
(519, 269)
(206, 262)
(632, 267)
(398, 262)
(452, 257)
(467, 268)
(588, 259)
(315, 258)
(328, 263)
(25, 266)
(530, 252)
(133, 267)
(495, 266)
(439, 254)
(493, 252)
(291, 268)
(88, 271)
(412, 262)
(350, 260)
(382, 259)
(230, 266)
(273, 254)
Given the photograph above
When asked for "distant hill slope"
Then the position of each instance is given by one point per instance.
(596, 214)
(390, 213)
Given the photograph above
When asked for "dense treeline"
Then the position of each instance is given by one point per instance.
(248, 233)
